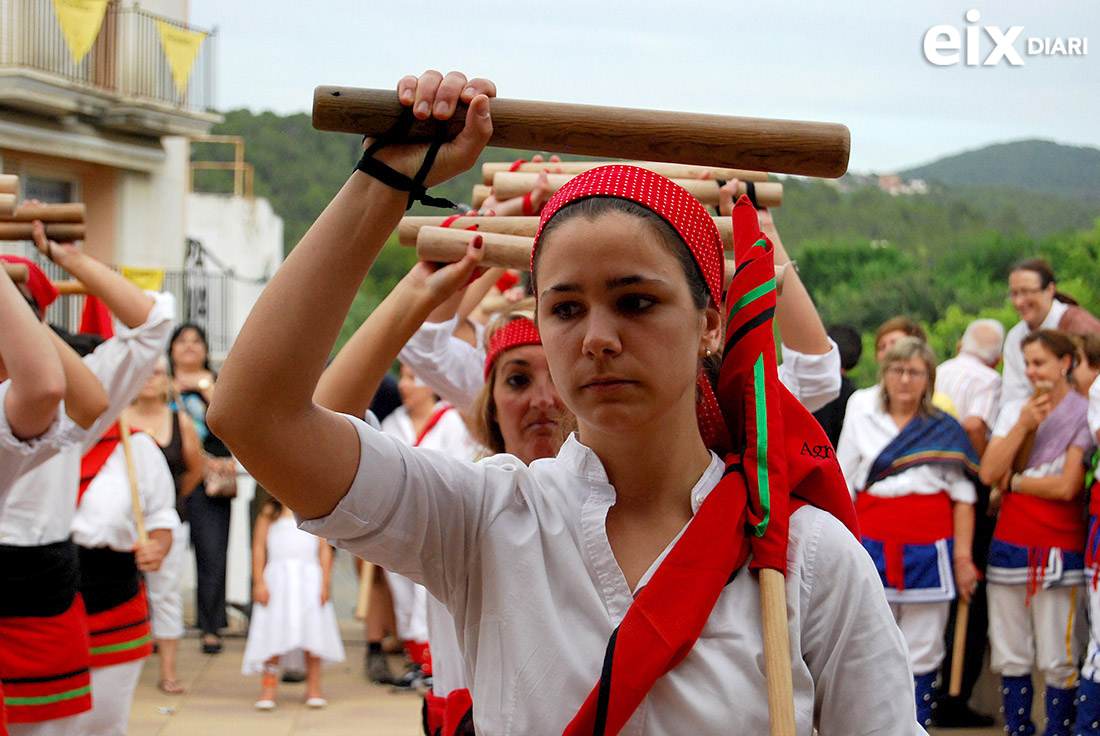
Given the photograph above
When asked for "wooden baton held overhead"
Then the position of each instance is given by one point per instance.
(17, 272)
(62, 232)
(7, 205)
(516, 225)
(508, 184)
(9, 184)
(758, 144)
(447, 245)
(670, 171)
(48, 213)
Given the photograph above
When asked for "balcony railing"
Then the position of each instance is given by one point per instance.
(126, 62)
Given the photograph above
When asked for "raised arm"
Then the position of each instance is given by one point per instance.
(349, 383)
(85, 397)
(32, 364)
(124, 298)
(263, 409)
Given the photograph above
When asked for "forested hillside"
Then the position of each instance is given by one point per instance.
(941, 257)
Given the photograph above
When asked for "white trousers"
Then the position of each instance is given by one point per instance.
(410, 607)
(922, 626)
(59, 727)
(112, 695)
(165, 594)
(1045, 634)
(1091, 668)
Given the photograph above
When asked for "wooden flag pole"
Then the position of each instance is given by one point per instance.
(131, 472)
(777, 652)
(17, 272)
(670, 171)
(962, 621)
(757, 144)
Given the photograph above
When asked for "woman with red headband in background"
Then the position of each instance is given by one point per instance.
(545, 566)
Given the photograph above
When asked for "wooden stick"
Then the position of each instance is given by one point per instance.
(73, 212)
(777, 652)
(757, 144)
(366, 583)
(508, 184)
(7, 205)
(131, 472)
(481, 193)
(70, 287)
(526, 226)
(17, 272)
(63, 232)
(9, 184)
(447, 245)
(962, 620)
(672, 171)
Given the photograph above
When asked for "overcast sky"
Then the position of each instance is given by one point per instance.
(857, 63)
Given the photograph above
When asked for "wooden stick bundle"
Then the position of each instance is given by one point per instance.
(671, 171)
(757, 144)
(17, 272)
(9, 184)
(73, 212)
(508, 184)
(517, 225)
(7, 205)
(447, 245)
(62, 232)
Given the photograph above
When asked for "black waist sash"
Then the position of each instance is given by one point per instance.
(38, 581)
(107, 578)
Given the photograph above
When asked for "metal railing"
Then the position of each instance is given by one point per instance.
(126, 61)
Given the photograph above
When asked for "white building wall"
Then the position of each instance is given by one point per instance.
(152, 211)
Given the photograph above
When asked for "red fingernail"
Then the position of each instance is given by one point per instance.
(478, 242)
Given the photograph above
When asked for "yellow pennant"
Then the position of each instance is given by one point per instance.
(181, 47)
(150, 279)
(80, 21)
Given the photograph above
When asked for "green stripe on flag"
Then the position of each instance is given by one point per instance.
(11, 702)
(121, 646)
(759, 291)
(761, 446)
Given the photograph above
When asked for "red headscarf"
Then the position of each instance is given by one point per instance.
(753, 415)
(520, 331)
(42, 289)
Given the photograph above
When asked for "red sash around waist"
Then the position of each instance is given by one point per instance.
(121, 634)
(44, 665)
(896, 522)
(1027, 521)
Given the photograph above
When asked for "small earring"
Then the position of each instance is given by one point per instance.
(1065, 372)
(707, 352)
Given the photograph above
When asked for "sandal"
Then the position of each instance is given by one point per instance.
(211, 644)
(171, 687)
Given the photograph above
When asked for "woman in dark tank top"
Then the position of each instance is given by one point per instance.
(179, 442)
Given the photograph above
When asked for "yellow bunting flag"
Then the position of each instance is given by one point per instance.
(80, 21)
(150, 279)
(181, 47)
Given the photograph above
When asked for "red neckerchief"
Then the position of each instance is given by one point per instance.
(433, 420)
(94, 460)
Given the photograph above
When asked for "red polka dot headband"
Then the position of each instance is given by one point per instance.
(521, 331)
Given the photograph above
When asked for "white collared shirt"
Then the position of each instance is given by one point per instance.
(973, 387)
(19, 456)
(520, 556)
(105, 516)
(868, 429)
(41, 504)
(1015, 385)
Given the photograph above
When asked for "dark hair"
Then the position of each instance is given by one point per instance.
(900, 323)
(850, 344)
(82, 343)
(1089, 344)
(1043, 270)
(1059, 343)
(593, 207)
(202, 337)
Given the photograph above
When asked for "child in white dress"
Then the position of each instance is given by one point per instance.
(291, 579)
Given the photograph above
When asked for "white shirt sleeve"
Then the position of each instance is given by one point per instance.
(849, 640)
(1007, 418)
(813, 379)
(1014, 385)
(451, 367)
(123, 363)
(18, 456)
(418, 512)
(959, 487)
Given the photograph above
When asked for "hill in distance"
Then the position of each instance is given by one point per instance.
(1033, 165)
